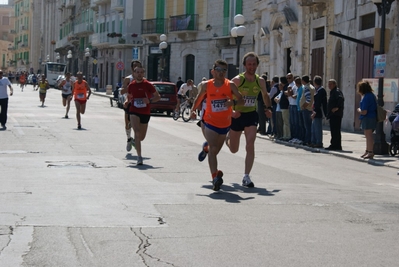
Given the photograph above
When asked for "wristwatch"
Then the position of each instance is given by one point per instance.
(269, 108)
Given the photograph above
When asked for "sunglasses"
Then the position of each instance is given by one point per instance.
(219, 69)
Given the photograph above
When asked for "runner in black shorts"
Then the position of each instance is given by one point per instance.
(245, 120)
(126, 105)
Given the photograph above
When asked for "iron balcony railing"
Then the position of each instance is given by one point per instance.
(154, 26)
(186, 22)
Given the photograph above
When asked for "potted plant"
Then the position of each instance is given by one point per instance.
(121, 40)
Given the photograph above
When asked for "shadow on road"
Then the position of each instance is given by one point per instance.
(226, 192)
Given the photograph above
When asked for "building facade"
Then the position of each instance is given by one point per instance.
(7, 34)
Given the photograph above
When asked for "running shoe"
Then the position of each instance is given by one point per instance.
(139, 160)
(217, 181)
(79, 126)
(132, 143)
(129, 145)
(66, 117)
(246, 181)
(204, 152)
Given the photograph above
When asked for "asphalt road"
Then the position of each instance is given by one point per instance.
(73, 197)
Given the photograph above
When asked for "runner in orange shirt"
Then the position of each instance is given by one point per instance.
(217, 117)
(22, 81)
(81, 92)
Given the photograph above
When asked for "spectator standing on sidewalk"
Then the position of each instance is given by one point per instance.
(274, 92)
(335, 112)
(284, 106)
(319, 112)
(96, 80)
(301, 125)
(368, 116)
(179, 83)
(306, 103)
(4, 82)
(261, 110)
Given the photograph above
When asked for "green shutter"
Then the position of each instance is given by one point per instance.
(238, 7)
(190, 7)
(160, 16)
(226, 17)
(60, 34)
(121, 26)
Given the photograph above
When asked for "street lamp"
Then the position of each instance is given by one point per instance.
(238, 33)
(87, 55)
(380, 144)
(57, 57)
(163, 45)
(69, 56)
(48, 58)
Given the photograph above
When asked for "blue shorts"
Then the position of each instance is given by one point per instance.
(246, 119)
(216, 129)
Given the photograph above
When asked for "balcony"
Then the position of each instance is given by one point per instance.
(70, 4)
(95, 3)
(152, 28)
(127, 40)
(23, 28)
(183, 23)
(12, 31)
(85, 28)
(100, 39)
(23, 45)
(117, 5)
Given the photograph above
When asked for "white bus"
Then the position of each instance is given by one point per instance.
(52, 70)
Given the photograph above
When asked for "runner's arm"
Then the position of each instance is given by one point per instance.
(89, 90)
(200, 96)
(125, 84)
(237, 94)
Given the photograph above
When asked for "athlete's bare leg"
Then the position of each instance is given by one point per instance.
(250, 136)
(215, 143)
(140, 132)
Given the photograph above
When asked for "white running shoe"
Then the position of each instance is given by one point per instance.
(246, 181)
(133, 143)
(128, 145)
(139, 160)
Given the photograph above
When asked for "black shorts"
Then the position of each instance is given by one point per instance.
(144, 119)
(181, 97)
(66, 95)
(245, 120)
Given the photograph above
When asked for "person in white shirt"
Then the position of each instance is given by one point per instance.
(181, 94)
(4, 82)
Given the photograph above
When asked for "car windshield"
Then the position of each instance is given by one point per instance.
(165, 88)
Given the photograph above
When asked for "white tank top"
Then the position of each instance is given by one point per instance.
(67, 88)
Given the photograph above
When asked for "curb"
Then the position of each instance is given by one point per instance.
(374, 162)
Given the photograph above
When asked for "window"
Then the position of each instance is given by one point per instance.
(5, 20)
(367, 21)
(230, 9)
(318, 34)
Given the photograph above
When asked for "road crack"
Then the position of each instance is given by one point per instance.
(142, 249)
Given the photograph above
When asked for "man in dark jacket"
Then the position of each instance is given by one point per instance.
(319, 112)
(335, 112)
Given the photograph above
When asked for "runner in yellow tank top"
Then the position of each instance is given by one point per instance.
(219, 100)
(43, 87)
(245, 118)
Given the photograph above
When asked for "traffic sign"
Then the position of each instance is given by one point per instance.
(120, 65)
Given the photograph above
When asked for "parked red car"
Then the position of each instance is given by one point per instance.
(168, 101)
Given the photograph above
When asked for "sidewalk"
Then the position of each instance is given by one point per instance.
(353, 145)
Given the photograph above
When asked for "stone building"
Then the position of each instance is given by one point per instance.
(7, 33)
(293, 36)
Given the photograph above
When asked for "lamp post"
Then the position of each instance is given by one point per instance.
(163, 46)
(380, 144)
(48, 58)
(69, 57)
(238, 33)
(57, 57)
(87, 55)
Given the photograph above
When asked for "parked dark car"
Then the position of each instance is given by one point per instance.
(168, 101)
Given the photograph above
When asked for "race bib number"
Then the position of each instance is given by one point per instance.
(218, 105)
(80, 96)
(249, 101)
(139, 103)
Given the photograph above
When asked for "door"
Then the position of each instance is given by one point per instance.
(364, 69)
(190, 67)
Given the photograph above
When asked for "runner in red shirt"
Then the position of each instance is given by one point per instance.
(141, 94)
